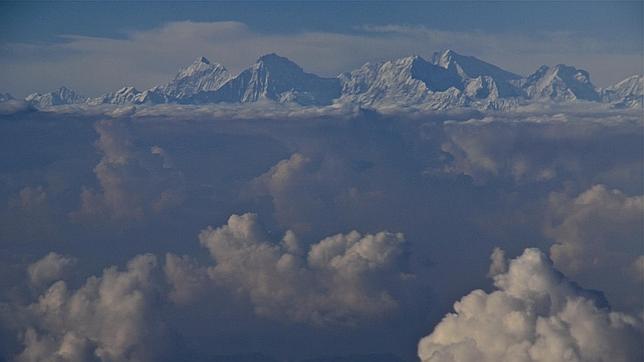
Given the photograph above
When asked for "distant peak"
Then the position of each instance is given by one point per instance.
(65, 91)
(410, 60)
(414, 57)
(566, 67)
(273, 57)
(448, 52)
(273, 60)
(445, 58)
(199, 67)
(202, 60)
(128, 89)
(542, 70)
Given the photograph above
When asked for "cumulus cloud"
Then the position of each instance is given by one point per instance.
(340, 279)
(535, 314)
(598, 229)
(111, 317)
(597, 238)
(350, 179)
(299, 189)
(187, 279)
(134, 182)
(52, 266)
(530, 147)
(498, 263)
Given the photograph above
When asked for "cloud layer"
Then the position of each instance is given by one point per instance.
(313, 261)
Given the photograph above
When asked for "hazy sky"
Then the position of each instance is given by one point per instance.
(98, 47)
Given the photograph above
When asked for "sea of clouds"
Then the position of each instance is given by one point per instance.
(270, 232)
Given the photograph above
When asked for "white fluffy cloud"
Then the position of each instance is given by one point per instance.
(597, 238)
(134, 182)
(598, 229)
(300, 190)
(340, 279)
(535, 314)
(187, 279)
(549, 146)
(52, 266)
(338, 184)
(498, 263)
(110, 318)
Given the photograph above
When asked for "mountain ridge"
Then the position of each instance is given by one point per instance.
(447, 80)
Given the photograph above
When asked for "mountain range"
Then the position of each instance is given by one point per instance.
(447, 80)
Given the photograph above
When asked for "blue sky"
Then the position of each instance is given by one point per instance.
(603, 37)
(35, 21)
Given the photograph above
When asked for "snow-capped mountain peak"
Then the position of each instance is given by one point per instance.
(201, 75)
(631, 85)
(199, 67)
(445, 59)
(60, 96)
(628, 93)
(273, 59)
(277, 68)
(471, 67)
(487, 78)
(410, 79)
(448, 80)
(561, 83)
(275, 78)
(121, 96)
